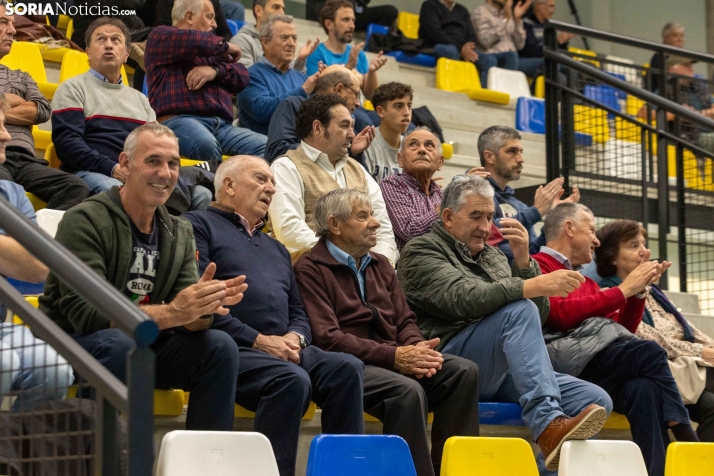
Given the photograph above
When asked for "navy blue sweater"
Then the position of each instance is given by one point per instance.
(271, 304)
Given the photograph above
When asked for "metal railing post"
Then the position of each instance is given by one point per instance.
(567, 125)
(552, 145)
(662, 191)
(141, 370)
(681, 221)
(106, 462)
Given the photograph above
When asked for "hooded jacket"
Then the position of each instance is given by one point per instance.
(448, 290)
(98, 232)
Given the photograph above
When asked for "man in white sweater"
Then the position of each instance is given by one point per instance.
(93, 113)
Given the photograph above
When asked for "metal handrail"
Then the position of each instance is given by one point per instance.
(659, 101)
(629, 41)
(78, 276)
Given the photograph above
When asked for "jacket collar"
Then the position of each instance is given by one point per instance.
(163, 214)
(506, 191)
(460, 248)
(320, 254)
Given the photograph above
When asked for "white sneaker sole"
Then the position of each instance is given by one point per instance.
(588, 427)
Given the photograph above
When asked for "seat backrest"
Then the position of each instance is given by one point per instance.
(358, 455)
(456, 76)
(605, 95)
(467, 456)
(689, 459)
(75, 63)
(234, 25)
(408, 23)
(507, 81)
(49, 220)
(601, 458)
(530, 115)
(215, 453)
(70, 29)
(374, 28)
(51, 156)
(26, 57)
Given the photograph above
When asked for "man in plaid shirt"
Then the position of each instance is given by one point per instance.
(191, 74)
(413, 197)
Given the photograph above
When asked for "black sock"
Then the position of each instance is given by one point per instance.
(684, 432)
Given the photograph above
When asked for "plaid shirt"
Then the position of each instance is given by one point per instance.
(411, 211)
(170, 54)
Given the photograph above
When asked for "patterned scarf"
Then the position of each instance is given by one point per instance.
(662, 300)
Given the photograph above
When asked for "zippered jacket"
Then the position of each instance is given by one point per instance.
(372, 328)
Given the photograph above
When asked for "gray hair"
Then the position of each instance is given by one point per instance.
(326, 83)
(421, 128)
(462, 185)
(182, 7)
(267, 27)
(493, 138)
(553, 221)
(339, 203)
(133, 138)
(670, 27)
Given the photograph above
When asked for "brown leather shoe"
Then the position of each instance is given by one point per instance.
(581, 427)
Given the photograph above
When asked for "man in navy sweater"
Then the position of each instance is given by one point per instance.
(280, 371)
(272, 79)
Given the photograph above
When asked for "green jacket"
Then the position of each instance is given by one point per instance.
(448, 290)
(98, 232)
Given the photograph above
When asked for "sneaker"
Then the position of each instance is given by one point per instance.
(581, 427)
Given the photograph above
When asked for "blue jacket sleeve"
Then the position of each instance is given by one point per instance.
(68, 127)
(281, 132)
(241, 333)
(259, 101)
(298, 320)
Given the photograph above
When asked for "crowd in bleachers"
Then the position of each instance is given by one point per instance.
(276, 285)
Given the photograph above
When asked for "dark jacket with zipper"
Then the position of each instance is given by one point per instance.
(369, 328)
(98, 232)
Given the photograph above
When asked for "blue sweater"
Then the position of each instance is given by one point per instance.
(267, 89)
(281, 133)
(528, 216)
(271, 304)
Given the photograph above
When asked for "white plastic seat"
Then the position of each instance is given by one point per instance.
(632, 75)
(514, 83)
(48, 220)
(601, 458)
(216, 453)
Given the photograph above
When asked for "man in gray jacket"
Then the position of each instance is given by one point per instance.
(464, 292)
(248, 38)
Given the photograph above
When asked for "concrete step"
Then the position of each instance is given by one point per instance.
(701, 322)
(686, 302)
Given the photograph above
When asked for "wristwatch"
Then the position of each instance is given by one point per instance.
(303, 340)
(644, 293)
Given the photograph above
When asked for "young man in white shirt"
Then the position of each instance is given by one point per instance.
(393, 103)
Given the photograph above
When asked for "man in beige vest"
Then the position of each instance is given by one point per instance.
(319, 165)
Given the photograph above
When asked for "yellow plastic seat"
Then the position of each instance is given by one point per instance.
(75, 63)
(581, 52)
(63, 22)
(240, 412)
(36, 202)
(468, 456)
(627, 131)
(617, 421)
(70, 30)
(408, 23)
(51, 156)
(367, 105)
(540, 87)
(26, 57)
(633, 105)
(462, 77)
(447, 150)
(32, 300)
(593, 121)
(54, 55)
(166, 402)
(689, 459)
(42, 138)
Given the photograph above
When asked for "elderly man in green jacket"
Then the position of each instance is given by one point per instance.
(128, 237)
(464, 292)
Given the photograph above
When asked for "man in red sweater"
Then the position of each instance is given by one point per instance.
(590, 336)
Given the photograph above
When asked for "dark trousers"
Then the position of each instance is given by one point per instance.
(59, 189)
(636, 375)
(702, 412)
(279, 393)
(402, 403)
(204, 363)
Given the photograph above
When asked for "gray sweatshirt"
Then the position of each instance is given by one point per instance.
(248, 39)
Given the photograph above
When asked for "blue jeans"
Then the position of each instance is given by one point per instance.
(506, 60)
(531, 67)
(514, 366)
(233, 10)
(98, 183)
(447, 51)
(31, 368)
(208, 138)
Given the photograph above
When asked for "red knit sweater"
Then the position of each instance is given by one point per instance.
(589, 301)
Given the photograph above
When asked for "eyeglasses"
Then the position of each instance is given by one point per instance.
(355, 92)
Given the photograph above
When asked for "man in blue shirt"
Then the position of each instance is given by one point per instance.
(337, 18)
(501, 155)
(280, 371)
(272, 79)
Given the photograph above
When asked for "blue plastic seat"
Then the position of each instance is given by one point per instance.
(605, 95)
(359, 455)
(27, 288)
(497, 413)
(235, 25)
(621, 77)
(145, 88)
(530, 115)
(418, 59)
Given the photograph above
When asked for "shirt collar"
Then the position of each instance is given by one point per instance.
(317, 156)
(100, 77)
(560, 257)
(417, 185)
(267, 62)
(447, 6)
(346, 259)
(229, 209)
